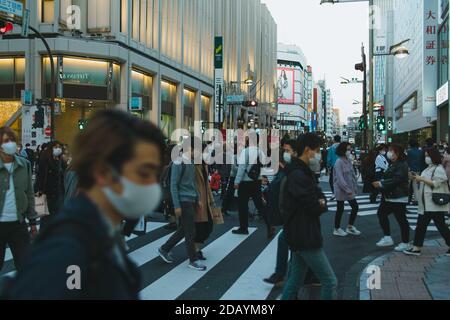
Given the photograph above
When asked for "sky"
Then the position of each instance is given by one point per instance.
(330, 36)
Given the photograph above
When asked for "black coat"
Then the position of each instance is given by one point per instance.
(395, 182)
(79, 237)
(301, 208)
(50, 177)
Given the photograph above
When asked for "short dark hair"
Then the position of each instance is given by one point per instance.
(292, 143)
(341, 150)
(435, 156)
(429, 142)
(28, 145)
(381, 147)
(310, 140)
(337, 139)
(413, 143)
(9, 132)
(399, 150)
(110, 138)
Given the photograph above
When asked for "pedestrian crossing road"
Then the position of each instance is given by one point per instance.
(368, 209)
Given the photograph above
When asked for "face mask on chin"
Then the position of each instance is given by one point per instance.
(136, 200)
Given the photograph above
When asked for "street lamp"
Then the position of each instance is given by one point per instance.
(397, 50)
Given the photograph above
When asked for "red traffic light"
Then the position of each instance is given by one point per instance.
(6, 27)
(251, 103)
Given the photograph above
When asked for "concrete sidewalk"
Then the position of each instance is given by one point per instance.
(405, 277)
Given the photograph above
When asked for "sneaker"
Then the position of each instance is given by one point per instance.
(402, 247)
(240, 231)
(412, 252)
(353, 231)
(274, 279)
(166, 256)
(339, 233)
(385, 242)
(197, 266)
(201, 256)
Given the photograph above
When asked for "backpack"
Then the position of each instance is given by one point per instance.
(165, 184)
(275, 199)
(255, 170)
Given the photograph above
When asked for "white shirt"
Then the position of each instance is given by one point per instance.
(9, 211)
(381, 163)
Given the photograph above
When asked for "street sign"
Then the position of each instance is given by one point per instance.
(235, 99)
(48, 131)
(26, 97)
(218, 53)
(25, 23)
(10, 7)
(136, 104)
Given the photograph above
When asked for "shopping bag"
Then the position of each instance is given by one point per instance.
(41, 206)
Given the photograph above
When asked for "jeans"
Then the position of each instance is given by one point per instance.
(247, 190)
(399, 211)
(340, 211)
(423, 223)
(228, 195)
(16, 236)
(186, 230)
(282, 256)
(318, 262)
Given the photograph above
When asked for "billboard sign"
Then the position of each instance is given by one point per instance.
(286, 85)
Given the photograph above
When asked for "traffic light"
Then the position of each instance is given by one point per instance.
(5, 27)
(250, 103)
(82, 124)
(360, 67)
(381, 124)
(39, 118)
(362, 124)
(203, 128)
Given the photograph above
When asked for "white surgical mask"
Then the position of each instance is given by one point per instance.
(57, 152)
(10, 148)
(136, 200)
(383, 153)
(390, 155)
(428, 161)
(287, 157)
(348, 154)
(318, 157)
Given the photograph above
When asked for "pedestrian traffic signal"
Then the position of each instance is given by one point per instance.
(5, 27)
(381, 124)
(82, 124)
(250, 103)
(362, 123)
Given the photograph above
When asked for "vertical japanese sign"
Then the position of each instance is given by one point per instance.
(218, 79)
(430, 56)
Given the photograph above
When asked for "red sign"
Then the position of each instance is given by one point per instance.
(48, 131)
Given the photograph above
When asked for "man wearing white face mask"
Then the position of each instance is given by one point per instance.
(117, 159)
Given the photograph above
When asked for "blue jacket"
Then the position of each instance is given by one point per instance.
(332, 157)
(78, 236)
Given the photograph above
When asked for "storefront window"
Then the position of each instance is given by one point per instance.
(123, 15)
(189, 105)
(168, 107)
(206, 104)
(12, 77)
(47, 11)
(141, 86)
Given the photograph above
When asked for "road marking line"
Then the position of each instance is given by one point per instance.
(181, 278)
(250, 286)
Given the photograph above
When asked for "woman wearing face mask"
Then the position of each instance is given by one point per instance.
(345, 189)
(395, 187)
(303, 204)
(433, 180)
(16, 199)
(117, 182)
(50, 179)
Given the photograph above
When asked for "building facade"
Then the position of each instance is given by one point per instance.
(292, 85)
(154, 58)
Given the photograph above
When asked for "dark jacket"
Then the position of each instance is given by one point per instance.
(79, 236)
(416, 160)
(301, 208)
(50, 177)
(395, 182)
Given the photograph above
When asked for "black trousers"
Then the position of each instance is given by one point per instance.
(424, 221)
(340, 211)
(332, 179)
(16, 236)
(228, 195)
(399, 211)
(247, 190)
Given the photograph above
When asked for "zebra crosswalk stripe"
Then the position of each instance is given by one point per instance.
(174, 283)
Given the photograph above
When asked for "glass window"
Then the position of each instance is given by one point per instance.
(48, 11)
(205, 108)
(99, 15)
(12, 77)
(443, 53)
(135, 19)
(168, 107)
(64, 4)
(141, 86)
(189, 106)
(123, 15)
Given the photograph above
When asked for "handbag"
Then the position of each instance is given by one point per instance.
(217, 216)
(41, 206)
(440, 199)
